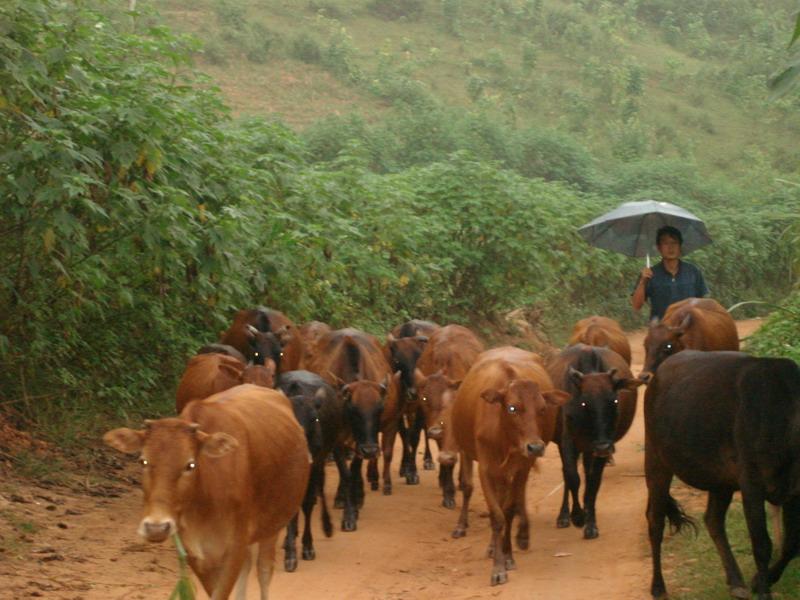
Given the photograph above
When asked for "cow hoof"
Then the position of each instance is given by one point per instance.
(499, 578)
(511, 564)
(459, 532)
(740, 592)
(290, 565)
(309, 554)
(373, 485)
(590, 532)
(428, 465)
(348, 525)
(412, 478)
(578, 518)
(562, 521)
(338, 503)
(448, 502)
(523, 542)
(387, 489)
(403, 471)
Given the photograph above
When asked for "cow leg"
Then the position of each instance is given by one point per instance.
(413, 434)
(791, 538)
(327, 525)
(753, 501)
(350, 514)
(290, 546)
(344, 477)
(427, 458)
(356, 483)
(717, 508)
(241, 581)
(208, 577)
(308, 509)
(372, 473)
(572, 484)
(231, 568)
(523, 531)
(465, 478)
(498, 520)
(593, 469)
(447, 485)
(265, 565)
(658, 499)
(387, 442)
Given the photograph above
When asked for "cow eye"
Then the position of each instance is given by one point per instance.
(512, 410)
(583, 404)
(191, 465)
(424, 398)
(256, 354)
(616, 400)
(668, 347)
(144, 462)
(281, 354)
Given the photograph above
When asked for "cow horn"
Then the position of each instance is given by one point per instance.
(148, 423)
(194, 427)
(384, 385)
(252, 330)
(390, 339)
(612, 372)
(575, 375)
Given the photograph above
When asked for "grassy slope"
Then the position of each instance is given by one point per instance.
(692, 117)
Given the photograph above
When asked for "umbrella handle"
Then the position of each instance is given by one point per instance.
(648, 260)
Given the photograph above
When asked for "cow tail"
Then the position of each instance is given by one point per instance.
(678, 519)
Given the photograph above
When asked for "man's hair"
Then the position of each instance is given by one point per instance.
(671, 232)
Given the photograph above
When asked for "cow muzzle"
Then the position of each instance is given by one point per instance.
(368, 451)
(156, 530)
(603, 449)
(534, 449)
(646, 376)
(447, 458)
(436, 432)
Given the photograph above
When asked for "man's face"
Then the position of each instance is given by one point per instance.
(669, 247)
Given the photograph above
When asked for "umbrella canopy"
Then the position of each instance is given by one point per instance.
(631, 228)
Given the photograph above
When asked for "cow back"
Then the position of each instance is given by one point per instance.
(260, 484)
(311, 333)
(602, 331)
(415, 327)
(207, 374)
(711, 326)
(452, 349)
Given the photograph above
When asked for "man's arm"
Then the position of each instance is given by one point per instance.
(701, 287)
(640, 292)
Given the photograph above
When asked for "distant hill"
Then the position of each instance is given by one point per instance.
(629, 79)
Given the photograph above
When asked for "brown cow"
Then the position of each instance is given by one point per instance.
(352, 361)
(207, 374)
(311, 333)
(404, 345)
(602, 331)
(600, 411)
(447, 357)
(268, 331)
(503, 416)
(229, 472)
(694, 324)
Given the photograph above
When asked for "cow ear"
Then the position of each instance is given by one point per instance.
(419, 379)
(687, 321)
(125, 440)
(319, 398)
(556, 397)
(217, 444)
(453, 383)
(575, 376)
(422, 339)
(627, 384)
(493, 396)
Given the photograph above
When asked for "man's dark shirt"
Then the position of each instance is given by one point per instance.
(663, 289)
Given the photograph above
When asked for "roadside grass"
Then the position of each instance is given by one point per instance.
(693, 570)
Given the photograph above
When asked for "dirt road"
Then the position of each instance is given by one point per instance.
(87, 548)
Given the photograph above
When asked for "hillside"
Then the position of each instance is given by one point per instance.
(628, 80)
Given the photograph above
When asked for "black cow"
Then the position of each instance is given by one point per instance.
(319, 411)
(599, 413)
(404, 345)
(721, 422)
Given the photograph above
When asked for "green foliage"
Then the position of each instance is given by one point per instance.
(306, 48)
(411, 10)
(780, 335)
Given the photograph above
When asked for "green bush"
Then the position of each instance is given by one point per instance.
(392, 10)
(306, 49)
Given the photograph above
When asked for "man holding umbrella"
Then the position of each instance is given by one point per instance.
(669, 281)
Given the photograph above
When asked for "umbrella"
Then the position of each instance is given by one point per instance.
(631, 228)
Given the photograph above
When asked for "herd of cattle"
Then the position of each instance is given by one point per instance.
(241, 459)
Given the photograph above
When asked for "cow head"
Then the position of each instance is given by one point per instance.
(363, 404)
(662, 341)
(404, 353)
(264, 347)
(173, 454)
(306, 411)
(263, 375)
(593, 411)
(523, 407)
(436, 393)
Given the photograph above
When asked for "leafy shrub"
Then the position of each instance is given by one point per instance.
(230, 13)
(392, 10)
(305, 48)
